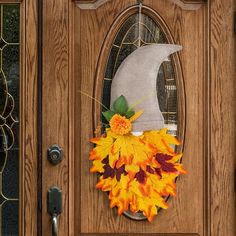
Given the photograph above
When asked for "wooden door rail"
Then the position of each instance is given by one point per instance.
(184, 4)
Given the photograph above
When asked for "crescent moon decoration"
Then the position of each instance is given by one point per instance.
(135, 156)
(136, 80)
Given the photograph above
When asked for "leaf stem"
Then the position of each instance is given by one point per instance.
(96, 100)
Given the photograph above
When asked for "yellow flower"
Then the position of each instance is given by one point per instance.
(120, 125)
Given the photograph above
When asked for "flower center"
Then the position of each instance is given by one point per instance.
(120, 125)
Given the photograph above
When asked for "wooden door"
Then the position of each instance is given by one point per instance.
(77, 37)
(93, 30)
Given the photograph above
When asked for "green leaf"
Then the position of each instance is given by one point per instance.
(108, 114)
(129, 114)
(120, 105)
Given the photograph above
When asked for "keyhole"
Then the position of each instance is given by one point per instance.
(54, 157)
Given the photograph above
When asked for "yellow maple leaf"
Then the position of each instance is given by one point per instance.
(106, 184)
(165, 185)
(97, 166)
(161, 140)
(102, 149)
(120, 196)
(145, 199)
(129, 150)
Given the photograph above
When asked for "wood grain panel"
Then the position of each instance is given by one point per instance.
(55, 105)
(193, 1)
(184, 4)
(72, 106)
(223, 117)
(188, 5)
(94, 1)
(139, 234)
(186, 213)
(28, 119)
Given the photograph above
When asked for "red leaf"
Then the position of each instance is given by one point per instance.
(165, 166)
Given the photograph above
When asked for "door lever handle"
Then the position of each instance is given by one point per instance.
(54, 207)
(54, 225)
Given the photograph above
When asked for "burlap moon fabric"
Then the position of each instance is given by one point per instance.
(136, 80)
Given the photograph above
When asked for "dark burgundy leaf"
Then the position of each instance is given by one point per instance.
(105, 161)
(163, 157)
(141, 176)
(150, 170)
(158, 171)
(165, 166)
(119, 172)
(168, 167)
(109, 172)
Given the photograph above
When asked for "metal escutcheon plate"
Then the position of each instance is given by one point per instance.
(54, 154)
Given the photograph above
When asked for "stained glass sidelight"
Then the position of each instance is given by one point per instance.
(9, 118)
(139, 31)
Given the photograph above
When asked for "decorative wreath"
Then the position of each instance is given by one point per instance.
(139, 172)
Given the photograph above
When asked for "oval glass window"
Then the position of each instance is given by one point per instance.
(136, 31)
(132, 35)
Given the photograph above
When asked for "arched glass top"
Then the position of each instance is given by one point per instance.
(136, 32)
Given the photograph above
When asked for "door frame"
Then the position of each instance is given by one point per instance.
(28, 216)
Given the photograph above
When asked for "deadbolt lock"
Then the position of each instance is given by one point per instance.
(54, 154)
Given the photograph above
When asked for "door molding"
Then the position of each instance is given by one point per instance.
(188, 5)
(184, 4)
(90, 5)
(28, 118)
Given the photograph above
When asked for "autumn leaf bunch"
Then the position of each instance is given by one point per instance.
(138, 172)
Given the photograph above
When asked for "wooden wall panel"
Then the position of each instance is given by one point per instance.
(55, 106)
(28, 119)
(223, 116)
(73, 181)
